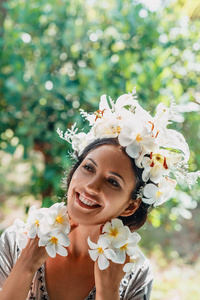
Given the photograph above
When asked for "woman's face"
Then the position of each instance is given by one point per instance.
(101, 187)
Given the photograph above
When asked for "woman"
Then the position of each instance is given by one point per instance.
(122, 170)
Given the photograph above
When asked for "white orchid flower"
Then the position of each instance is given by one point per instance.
(34, 222)
(124, 100)
(169, 138)
(116, 232)
(156, 195)
(128, 248)
(55, 242)
(158, 164)
(101, 252)
(164, 114)
(136, 260)
(57, 217)
(20, 229)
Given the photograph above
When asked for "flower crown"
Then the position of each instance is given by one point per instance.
(160, 152)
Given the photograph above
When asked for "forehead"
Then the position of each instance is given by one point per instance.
(113, 159)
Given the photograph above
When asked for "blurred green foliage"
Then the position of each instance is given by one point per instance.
(59, 55)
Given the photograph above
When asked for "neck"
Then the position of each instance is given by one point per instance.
(78, 239)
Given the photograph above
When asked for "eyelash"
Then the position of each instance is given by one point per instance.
(113, 182)
(88, 167)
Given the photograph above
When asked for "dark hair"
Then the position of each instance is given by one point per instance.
(138, 218)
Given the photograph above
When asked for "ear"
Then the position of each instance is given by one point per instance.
(133, 206)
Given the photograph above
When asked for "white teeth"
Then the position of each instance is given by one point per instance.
(86, 201)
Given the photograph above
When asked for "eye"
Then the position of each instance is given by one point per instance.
(114, 182)
(88, 167)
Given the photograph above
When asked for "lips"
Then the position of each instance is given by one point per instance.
(86, 201)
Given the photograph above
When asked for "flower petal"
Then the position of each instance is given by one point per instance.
(22, 241)
(32, 232)
(117, 223)
(44, 240)
(150, 190)
(103, 242)
(125, 231)
(93, 254)
(149, 200)
(61, 250)
(145, 175)
(110, 254)
(51, 250)
(103, 263)
(63, 239)
(128, 267)
(107, 227)
(133, 150)
(131, 250)
(119, 241)
(134, 238)
(91, 244)
(120, 256)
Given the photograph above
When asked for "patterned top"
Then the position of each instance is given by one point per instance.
(135, 286)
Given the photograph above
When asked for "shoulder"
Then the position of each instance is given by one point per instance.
(8, 246)
(9, 253)
(8, 236)
(139, 282)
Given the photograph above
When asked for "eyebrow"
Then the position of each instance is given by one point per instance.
(113, 173)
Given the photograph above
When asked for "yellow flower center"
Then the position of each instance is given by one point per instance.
(59, 219)
(118, 129)
(159, 159)
(36, 222)
(158, 194)
(54, 240)
(114, 232)
(114, 130)
(124, 247)
(100, 250)
(138, 137)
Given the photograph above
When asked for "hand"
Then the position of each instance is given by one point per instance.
(107, 281)
(33, 256)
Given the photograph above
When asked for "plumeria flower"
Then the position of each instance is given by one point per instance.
(57, 217)
(137, 140)
(55, 243)
(128, 248)
(158, 164)
(20, 229)
(101, 252)
(108, 129)
(116, 232)
(136, 260)
(34, 222)
(156, 195)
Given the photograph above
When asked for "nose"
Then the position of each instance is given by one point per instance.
(93, 186)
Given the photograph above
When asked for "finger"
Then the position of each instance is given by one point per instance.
(74, 226)
(101, 228)
(127, 259)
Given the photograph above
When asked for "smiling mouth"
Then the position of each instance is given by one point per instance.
(85, 202)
